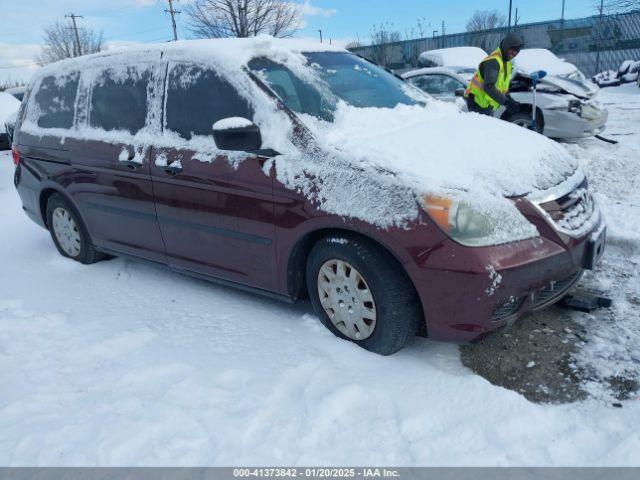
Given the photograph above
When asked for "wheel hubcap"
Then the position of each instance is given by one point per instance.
(66, 232)
(347, 299)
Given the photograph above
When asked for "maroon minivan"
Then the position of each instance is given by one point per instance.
(157, 153)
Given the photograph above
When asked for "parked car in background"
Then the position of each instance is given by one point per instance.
(9, 105)
(17, 92)
(462, 61)
(439, 82)
(292, 168)
(629, 71)
(9, 126)
(565, 75)
(566, 109)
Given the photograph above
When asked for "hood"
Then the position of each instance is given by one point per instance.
(566, 85)
(439, 151)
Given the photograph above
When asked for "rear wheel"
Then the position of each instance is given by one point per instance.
(361, 294)
(68, 232)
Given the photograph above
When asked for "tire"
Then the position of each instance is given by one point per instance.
(385, 308)
(69, 234)
(524, 120)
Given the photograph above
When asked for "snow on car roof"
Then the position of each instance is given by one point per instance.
(532, 59)
(231, 53)
(469, 57)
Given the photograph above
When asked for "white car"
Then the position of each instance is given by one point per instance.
(565, 110)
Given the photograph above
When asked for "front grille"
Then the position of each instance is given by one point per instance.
(507, 308)
(554, 290)
(575, 213)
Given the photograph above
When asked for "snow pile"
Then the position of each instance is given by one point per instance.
(9, 106)
(611, 351)
(454, 57)
(533, 59)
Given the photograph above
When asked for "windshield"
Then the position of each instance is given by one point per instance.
(338, 76)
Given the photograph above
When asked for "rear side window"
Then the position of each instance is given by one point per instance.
(197, 98)
(55, 100)
(119, 99)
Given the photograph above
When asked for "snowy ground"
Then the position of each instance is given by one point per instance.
(123, 363)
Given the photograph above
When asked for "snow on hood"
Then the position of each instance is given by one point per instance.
(455, 57)
(409, 151)
(533, 59)
(9, 105)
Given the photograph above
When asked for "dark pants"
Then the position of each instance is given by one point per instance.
(472, 106)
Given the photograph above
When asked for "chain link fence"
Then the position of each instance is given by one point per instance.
(593, 44)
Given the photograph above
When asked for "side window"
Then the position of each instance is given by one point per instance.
(429, 83)
(119, 99)
(197, 98)
(55, 100)
(450, 85)
(282, 85)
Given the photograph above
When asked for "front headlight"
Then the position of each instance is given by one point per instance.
(589, 112)
(461, 221)
(575, 106)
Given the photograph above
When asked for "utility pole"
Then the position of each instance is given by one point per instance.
(515, 23)
(320, 31)
(443, 33)
(598, 38)
(173, 19)
(510, 6)
(561, 46)
(77, 51)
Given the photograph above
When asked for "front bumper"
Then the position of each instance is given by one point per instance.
(467, 293)
(567, 125)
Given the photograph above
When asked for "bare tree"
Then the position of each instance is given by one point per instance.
(485, 23)
(243, 18)
(60, 42)
(382, 39)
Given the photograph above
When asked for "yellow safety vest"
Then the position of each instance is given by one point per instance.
(476, 85)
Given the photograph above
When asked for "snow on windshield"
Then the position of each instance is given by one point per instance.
(374, 157)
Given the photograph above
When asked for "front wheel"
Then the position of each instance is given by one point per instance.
(524, 119)
(362, 294)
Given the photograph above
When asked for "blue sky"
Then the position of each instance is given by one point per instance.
(146, 21)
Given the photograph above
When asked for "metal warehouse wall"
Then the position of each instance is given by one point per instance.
(617, 37)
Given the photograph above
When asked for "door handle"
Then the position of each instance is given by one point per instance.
(173, 169)
(132, 165)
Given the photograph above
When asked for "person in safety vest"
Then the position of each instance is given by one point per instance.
(489, 87)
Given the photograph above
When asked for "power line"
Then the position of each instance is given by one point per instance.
(78, 49)
(173, 19)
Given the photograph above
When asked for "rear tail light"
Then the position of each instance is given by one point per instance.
(16, 156)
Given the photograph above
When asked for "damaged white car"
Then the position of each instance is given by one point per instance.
(567, 105)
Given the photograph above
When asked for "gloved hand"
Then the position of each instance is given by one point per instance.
(512, 105)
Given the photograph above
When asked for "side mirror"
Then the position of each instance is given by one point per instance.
(237, 134)
(459, 92)
(537, 76)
